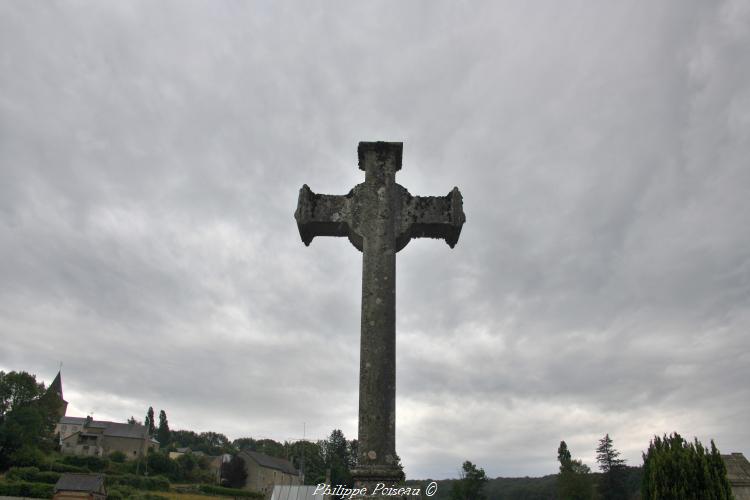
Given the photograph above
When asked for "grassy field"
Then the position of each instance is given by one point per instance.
(172, 495)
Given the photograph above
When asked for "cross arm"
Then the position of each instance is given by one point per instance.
(432, 217)
(321, 214)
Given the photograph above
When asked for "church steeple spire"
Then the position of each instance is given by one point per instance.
(56, 388)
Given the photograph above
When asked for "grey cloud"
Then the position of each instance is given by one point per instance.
(150, 157)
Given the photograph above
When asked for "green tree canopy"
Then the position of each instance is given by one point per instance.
(573, 481)
(471, 484)
(266, 446)
(336, 453)
(211, 443)
(675, 469)
(18, 389)
(308, 457)
(27, 416)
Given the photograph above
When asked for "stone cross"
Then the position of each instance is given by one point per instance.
(379, 217)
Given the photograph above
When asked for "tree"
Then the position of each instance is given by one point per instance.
(471, 484)
(337, 457)
(18, 389)
(676, 469)
(133, 421)
(307, 456)
(159, 463)
(162, 434)
(573, 481)
(233, 473)
(611, 482)
(27, 416)
(149, 421)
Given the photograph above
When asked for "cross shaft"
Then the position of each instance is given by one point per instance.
(379, 217)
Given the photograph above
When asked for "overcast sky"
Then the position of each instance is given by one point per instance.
(151, 155)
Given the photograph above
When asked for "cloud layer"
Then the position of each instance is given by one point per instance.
(150, 158)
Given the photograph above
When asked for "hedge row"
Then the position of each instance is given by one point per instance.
(152, 483)
(231, 492)
(32, 475)
(61, 467)
(94, 464)
(25, 489)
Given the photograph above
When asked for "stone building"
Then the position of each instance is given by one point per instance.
(88, 437)
(265, 472)
(80, 487)
(738, 474)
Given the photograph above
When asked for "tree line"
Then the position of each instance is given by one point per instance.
(673, 469)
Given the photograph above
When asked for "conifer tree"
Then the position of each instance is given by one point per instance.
(162, 434)
(675, 469)
(611, 483)
(149, 421)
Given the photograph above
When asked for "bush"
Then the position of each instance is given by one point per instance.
(21, 473)
(94, 464)
(117, 456)
(24, 489)
(27, 457)
(159, 463)
(230, 492)
(114, 495)
(121, 491)
(32, 474)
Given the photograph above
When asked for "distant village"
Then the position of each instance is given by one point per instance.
(134, 459)
(46, 453)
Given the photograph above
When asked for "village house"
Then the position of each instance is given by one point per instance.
(265, 472)
(85, 436)
(88, 437)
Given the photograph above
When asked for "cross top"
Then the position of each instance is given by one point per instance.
(410, 216)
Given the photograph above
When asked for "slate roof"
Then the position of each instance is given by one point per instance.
(738, 469)
(125, 430)
(270, 462)
(72, 420)
(80, 482)
(113, 429)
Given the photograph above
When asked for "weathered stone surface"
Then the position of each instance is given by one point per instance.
(379, 217)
